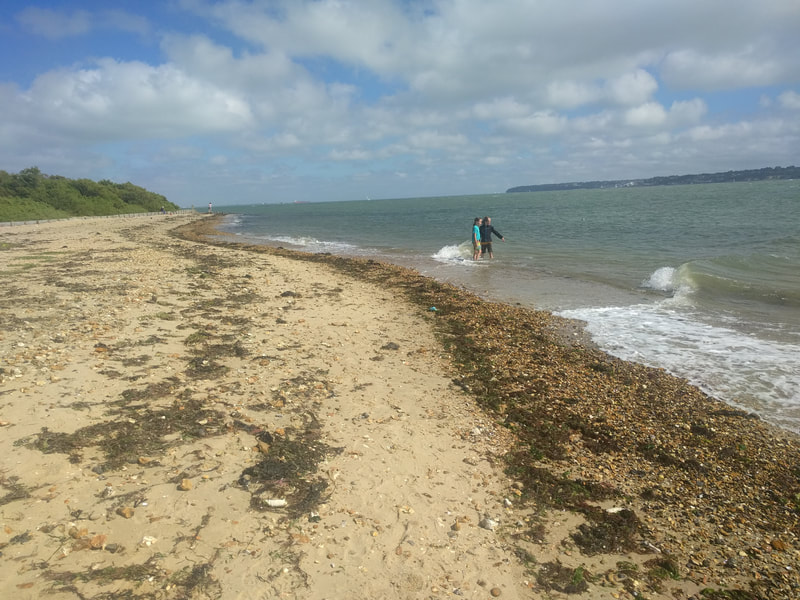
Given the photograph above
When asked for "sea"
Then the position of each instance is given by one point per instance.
(700, 280)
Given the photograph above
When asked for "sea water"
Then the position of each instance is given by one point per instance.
(701, 280)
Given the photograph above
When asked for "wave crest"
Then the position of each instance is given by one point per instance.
(454, 253)
(661, 280)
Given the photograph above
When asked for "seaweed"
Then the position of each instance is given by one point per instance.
(140, 432)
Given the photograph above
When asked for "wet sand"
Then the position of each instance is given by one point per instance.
(184, 417)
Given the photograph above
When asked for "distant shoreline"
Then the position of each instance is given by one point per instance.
(767, 173)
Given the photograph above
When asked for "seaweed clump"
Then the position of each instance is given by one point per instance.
(286, 477)
(139, 432)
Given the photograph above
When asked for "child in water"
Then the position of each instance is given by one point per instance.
(476, 238)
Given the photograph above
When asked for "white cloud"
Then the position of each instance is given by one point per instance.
(500, 108)
(596, 143)
(772, 140)
(662, 138)
(363, 33)
(538, 123)
(204, 58)
(790, 100)
(687, 112)
(433, 140)
(631, 89)
(691, 69)
(650, 114)
(703, 133)
(133, 100)
(594, 123)
(571, 94)
(731, 133)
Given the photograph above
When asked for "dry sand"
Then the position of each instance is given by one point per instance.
(183, 420)
(96, 315)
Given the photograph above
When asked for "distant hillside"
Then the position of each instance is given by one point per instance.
(30, 194)
(727, 177)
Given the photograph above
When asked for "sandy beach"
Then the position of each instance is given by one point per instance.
(185, 417)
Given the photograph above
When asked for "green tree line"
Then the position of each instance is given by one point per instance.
(31, 194)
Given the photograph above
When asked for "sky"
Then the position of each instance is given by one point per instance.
(242, 102)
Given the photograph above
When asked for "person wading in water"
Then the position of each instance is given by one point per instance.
(486, 236)
(476, 238)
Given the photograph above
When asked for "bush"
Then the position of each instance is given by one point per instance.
(31, 195)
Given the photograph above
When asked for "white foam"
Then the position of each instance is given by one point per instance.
(455, 254)
(675, 283)
(303, 242)
(721, 361)
(662, 280)
(311, 244)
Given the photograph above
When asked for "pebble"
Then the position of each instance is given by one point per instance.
(126, 512)
(778, 545)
